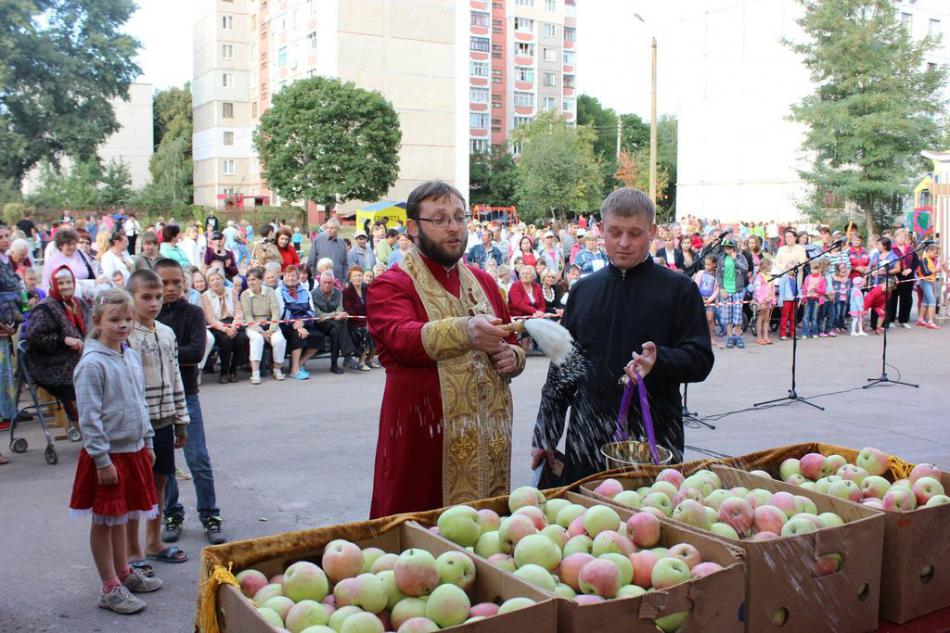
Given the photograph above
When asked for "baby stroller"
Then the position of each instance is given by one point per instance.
(19, 444)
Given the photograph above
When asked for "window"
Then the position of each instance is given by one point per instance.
(524, 24)
(549, 103)
(227, 22)
(227, 51)
(524, 73)
(478, 145)
(496, 80)
(524, 3)
(229, 138)
(229, 167)
(568, 81)
(253, 22)
(312, 39)
(227, 110)
(907, 21)
(282, 57)
(227, 80)
(478, 95)
(481, 44)
(522, 120)
(478, 69)
(550, 30)
(568, 105)
(478, 120)
(933, 28)
(524, 99)
(524, 49)
(550, 5)
(932, 67)
(480, 18)
(550, 80)
(496, 105)
(570, 33)
(516, 149)
(254, 109)
(550, 54)
(569, 58)
(570, 10)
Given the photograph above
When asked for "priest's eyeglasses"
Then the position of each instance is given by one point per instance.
(441, 221)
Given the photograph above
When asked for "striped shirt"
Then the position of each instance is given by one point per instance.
(164, 390)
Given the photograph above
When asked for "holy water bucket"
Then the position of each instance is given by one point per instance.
(633, 453)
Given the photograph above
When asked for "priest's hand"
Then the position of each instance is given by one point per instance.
(505, 360)
(485, 335)
(539, 455)
(642, 363)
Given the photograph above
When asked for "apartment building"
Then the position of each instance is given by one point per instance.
(521, 61)
(411, 51)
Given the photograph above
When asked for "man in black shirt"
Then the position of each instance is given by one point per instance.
(630, 308)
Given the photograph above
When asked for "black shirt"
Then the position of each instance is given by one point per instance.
(188, 323)
(26, 226)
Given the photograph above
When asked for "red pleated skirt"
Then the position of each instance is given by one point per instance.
(133, 497)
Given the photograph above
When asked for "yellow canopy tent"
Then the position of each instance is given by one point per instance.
(388, 212)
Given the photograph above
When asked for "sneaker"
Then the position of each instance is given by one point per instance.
(255, 379)
(374, 364)
(171, 531)
(300, 375)
(832, 334)
(822, 335)
(121, 601)
(740, 343)
(730, 342)
(906, 326)
(137, 582)
(181, 475)
(213, 532)
(364, 367)
(278, 374)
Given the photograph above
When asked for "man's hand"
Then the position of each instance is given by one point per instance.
(108, 476)
(505, 360)
(181, 436)
(484, 333)
(539, 455)
(642, 363)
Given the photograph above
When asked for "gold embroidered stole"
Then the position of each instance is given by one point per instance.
(476, 401)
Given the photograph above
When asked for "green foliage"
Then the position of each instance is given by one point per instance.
(74, 188)
(326, 140)
(558, 171)
(873, 110)
(116, 182)
(171, 167)
(171, 113)
(493, 178)
(63, 60)
(13, 212)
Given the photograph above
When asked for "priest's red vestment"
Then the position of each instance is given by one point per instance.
(445, 419)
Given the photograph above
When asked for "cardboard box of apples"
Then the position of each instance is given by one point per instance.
(813, 563)
(915, 499)
(404, 580)
(613, 571)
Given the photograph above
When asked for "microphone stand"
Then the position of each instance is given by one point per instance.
(706, 250)
(690, 418)
(793, 393)
(883, 378)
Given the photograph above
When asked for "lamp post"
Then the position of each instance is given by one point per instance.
(652, 112)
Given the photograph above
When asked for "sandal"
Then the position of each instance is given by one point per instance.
(170, 554)
(143, 566)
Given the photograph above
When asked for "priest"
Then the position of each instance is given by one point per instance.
(445, 420)
(631, 317)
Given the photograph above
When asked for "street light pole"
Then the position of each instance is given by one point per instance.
(653, 120)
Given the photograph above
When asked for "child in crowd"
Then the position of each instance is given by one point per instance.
(841, 285)
(157, 348)
(788, 297)
(297, 239)
(763, 293)
(813, 291)
(826, 311)
(927, 281)
(857, 307)
(708, 285)
(114, 481)
(732, 269)
(876, 300)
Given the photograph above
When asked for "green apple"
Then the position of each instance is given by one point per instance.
(629, 499)
(488, 543)
(623, 564)
(552, 507)
(798, 525)
(448, 606)
(789, 467)
(830, 519)
(406, 609)
(362, 623)
(537, 549)
(557, 534)
(513, 604)
(267, 592)
(600, 518)
(461, 525)
(564, 591)
(456, 568)
(568, 513)
(580, 543)
(305, 581)
(270, 616)
(525, 496)
(631, 591)
(665, 487)
(724, 530)
(536, 575)
(669, 571)
(338, 617)
(306, 613)
(393, 595)
(672, 622)
(715, 498)
(280, 605)
(661, 502)
(370, 556)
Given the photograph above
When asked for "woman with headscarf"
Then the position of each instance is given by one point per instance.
(54, 336)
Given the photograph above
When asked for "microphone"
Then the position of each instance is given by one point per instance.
(838, 242)
(725, 233)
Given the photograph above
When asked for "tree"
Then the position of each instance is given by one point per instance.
(634, 171)
(667, 130)
(874, 107)
(74, 188)
(493, 178)
(327, 140)
(171, 112)
(558, 171)
(63, 60)
(171, 165)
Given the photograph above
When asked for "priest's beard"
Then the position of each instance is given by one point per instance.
(447, 255)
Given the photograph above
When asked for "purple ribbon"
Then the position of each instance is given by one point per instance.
(621, 434)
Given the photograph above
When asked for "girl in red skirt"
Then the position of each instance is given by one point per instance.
(114, 474)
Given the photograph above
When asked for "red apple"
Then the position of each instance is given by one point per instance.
(924, 470)
(810, 465)
(643, 529)
(768, 518)
(704, 569)
(600, 577)
(926, 488)
(571, 569)
(737, 513)
(609, 488)
(687, 553)
(671, 475)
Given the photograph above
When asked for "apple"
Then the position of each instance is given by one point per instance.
(600, 577)
(631, 591)
(489, 520)
(830, 519)
(342, 559)
(370, 556)
(513, 529)
(537, 549)
(251, 582)
(937, 500)
(406, 609)
(807, 485)
(418, 625)
(737, 513)
(871, 502)
(672, 622)
(571, 569)
(643, 563)
(514, 604)
(416, 572)
(902, 482)
(569, 513)
(579, 543)
(712, 516)
(768, 518)
(704, 569)
(393, 595)
(600, 518)
(362, 623)
(277, 579)
(686, 493)
(925, 488)
(623, 564)
(789, 467)
(760, 473)
(576, 528)
(665, 487)
(460, 524)
(609, 488)
(687, 553)
(281, 605)
(660, 501)
(643, 529)
(488, 543)
(710, 476)
(810, 465)
(457, 569)
(872, 460)
(798, 525)
(643, 491)
(832, 463)
(536, 575)
(610, 541)
(271, 617)
(795, 479)
(564, 591)
(304, 614)
(448, 606)
(805, 504)
(874, 486)
(924, 470)
(899, 498)
(668, 572)
(534, 513)
(724, 530)
(846, 489)
(557, 534)
(267, 592)
(716, 497)
(384, 562)
(814, 518)
(366, 591)
(483, 610)
(739, 491)
(853, 473)
(305, 581)
(828, 564)
(525, 496)
(629, 499)
(758, 497)
(503, 561)
(692, 513)
(671, 475)
(703, 484)
(585, 599)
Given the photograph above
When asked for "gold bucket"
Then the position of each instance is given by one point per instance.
(633, 453)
